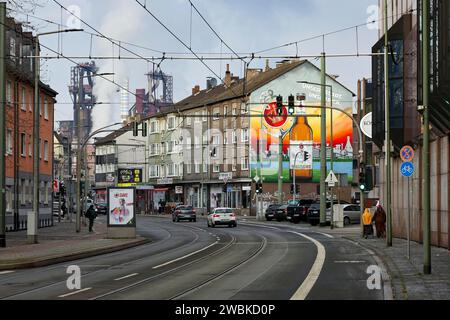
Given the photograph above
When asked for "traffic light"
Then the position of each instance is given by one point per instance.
(292, 188)
(291, 108)
(362, 177)
(280, 105)
(135, 129)
(297, 189)
(259, 188)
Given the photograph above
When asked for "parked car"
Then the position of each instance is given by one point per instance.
(271, 210)
(281, 212)
(222, 216)
(101, 208)
(298, 210)
(184, 213)
(314, 212)
(352, 213)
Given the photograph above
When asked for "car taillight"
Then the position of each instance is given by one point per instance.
(216, 216)
(193, 211)
(232, 215)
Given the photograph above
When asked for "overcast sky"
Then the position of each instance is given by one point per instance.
(245, 25)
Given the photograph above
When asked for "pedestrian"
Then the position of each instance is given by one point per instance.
(64, 209)
(91, 215)
(380, 221)
(367, 222)
(160, 206)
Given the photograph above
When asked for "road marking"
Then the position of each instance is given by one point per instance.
(186, 256)
(6, 272)
(125, 277)
(75, 292)
(314, 273)
(325, 234)
(350, 261)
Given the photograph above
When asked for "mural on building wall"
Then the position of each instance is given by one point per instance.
(300, 134)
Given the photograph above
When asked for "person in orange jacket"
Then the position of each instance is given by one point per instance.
(367, 222)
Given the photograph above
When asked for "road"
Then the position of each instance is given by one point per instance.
(190, 261)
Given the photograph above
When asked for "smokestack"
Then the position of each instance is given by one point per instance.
(195, 90)
(227, 80)
(267, 66)
(124, 100)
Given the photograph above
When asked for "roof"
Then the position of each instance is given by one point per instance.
(113, 135)
(237, 89)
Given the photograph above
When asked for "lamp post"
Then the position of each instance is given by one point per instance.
(34, 215)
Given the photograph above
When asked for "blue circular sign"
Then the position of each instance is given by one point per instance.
(407, 169)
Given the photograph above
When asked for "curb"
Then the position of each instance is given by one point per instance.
(74, 256)
(388, 292)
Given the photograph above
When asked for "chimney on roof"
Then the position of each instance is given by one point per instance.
(195, 90)
(227, 80)
(251, 73)
(267, 66)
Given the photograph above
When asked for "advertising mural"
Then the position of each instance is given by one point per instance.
(121, 204)
(129, 177)
(300, 133)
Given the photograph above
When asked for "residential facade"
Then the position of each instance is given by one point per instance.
(19, 132)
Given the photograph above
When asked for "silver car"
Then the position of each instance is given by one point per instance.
(352, 213)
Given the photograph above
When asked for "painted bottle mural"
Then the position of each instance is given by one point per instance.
(301, 144)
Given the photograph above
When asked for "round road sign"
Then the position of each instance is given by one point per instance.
(407, 153)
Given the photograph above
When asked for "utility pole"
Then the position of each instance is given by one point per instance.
(323, 144)
(280, 168)
(387, 129)
(2, 126)
(78, 200)
(426, 136)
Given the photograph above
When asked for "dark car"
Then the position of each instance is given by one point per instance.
(102, 208)
(298, 209)
(184, 213)
(280, 213)
(314, 212)
(271, 210)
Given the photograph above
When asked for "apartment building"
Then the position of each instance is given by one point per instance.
(19, 110)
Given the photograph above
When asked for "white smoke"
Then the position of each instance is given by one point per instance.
(122, 22)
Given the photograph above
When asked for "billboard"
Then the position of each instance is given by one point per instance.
(121, 207)
(129, 177)
(300, 133)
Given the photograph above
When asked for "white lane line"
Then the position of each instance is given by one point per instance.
(325, 234)
(186, 256)
(6, 272)
(303, 291)
(72, 293)
(125, 277)
(350, 261)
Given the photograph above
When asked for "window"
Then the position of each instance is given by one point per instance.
(225, 110)
(23, 102)
(154, 171)
(188, 120)
(154, 126)
(205, 167)
(234, 110)
(23, 144)
(216, 168)
(40, 149)
(197, 117)
(233, 137)
(30, 145)
(216, 114)
(225, 137)
(245, 108)
(180, 172)
(12, 48)
(46, 150)
(46, 109)
(244, 164)
(244, 135)
(171, 123)
(9, 148)
(9, 92)
(215, 140)
(188, 143)
(188, 168)
(205, 115)
(30, 103)
(233, 165)
(197, 167)
(197, 141)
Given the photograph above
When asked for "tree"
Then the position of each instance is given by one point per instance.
(25, 6)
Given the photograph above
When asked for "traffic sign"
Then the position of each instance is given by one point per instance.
(331, 179)
(407, 153)
(407, 169)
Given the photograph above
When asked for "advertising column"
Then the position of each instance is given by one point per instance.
(121, 213)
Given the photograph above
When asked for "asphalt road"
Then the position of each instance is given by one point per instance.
(190, 261)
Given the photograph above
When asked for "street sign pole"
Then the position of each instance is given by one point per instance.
(409, 226)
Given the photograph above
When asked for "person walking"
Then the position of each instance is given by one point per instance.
(91, 215)
(380, 221)
(367, 222)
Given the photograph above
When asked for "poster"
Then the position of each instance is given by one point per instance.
(121, 207)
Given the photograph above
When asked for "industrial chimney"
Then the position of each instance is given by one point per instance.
(124, 100)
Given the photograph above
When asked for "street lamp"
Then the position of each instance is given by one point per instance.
(34, 215)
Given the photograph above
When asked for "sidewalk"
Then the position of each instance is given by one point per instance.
(60, 243)
(407, 278)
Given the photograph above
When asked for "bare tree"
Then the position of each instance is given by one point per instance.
(25, 6)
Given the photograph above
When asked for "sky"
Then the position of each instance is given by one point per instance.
(247, 26)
